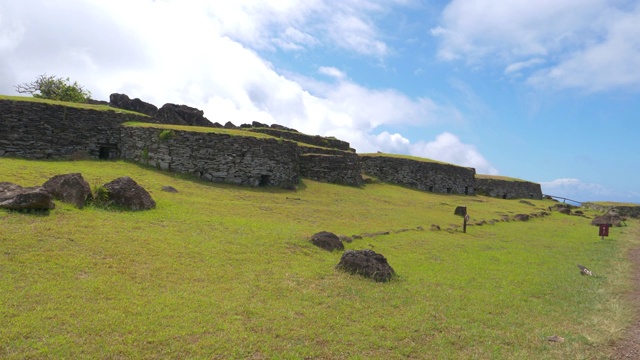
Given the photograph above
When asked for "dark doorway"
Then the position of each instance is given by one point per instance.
(504, 196)
(449, 190)
(105, 153)
(264, 180)
(431, 188)
(466, 190)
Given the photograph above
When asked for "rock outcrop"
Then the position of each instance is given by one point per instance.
(182, 115)
(122, 101)
(124, 192)
(327, 240)
(16, 197)
(367, 263)
(70, 188)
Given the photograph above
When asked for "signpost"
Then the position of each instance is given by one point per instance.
(462, 211)
(604, 230)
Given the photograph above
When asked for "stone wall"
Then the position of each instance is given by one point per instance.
(338, 169)
(622, 210)
(215, 157)
(427, 176)
(508, 189)
(316, 140)
(43, 131)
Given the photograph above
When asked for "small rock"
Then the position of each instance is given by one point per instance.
(521, 217)
(170, 189)
(555, 338)
(345, 238)
(327, 240)
(564, 210)
(584, 271)
(367, 263)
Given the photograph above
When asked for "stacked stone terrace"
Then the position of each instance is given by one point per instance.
(252, 154)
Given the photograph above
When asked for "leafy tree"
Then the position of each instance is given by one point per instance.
(55, 88)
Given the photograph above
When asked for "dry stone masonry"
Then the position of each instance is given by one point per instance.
(44, 131)
(508, 189)
(215, 157)
(422, 175)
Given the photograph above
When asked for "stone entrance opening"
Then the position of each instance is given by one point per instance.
(264, 180)
(108, 152)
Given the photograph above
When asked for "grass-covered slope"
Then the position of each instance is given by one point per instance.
(219, 271)
(68, 104)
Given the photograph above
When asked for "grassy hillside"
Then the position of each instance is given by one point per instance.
(69, 104)
(497, 177)
(219, 271)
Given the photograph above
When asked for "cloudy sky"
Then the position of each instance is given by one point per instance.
(546, 90)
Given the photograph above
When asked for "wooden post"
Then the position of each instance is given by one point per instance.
(464, 224)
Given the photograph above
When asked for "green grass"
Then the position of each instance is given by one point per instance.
(69, 104)
(230, 132)
(613, 203)
(200, 129)
(408, 157)
(498, 177)
(220, 271)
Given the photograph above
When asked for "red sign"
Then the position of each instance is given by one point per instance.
(604, 229)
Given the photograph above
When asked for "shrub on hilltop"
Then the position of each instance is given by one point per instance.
(55, 88)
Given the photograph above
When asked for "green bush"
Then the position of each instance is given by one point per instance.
(100, 197)
(55, 88)
(166, 135)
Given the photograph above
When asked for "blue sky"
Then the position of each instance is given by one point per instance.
(546, 91)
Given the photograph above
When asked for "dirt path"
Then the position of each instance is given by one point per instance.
(629, 346)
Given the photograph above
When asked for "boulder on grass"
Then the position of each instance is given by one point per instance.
(564, 210)
(611, 219)
(15, 197)
(327, 240)
(521, 217)
(367, 263)
(70, 188)
(126, 193)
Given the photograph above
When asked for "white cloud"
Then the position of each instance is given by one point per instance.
(448, 148)
(187, 53)
(332, 72)
(520, 65)
(576, 189)
(587, 44)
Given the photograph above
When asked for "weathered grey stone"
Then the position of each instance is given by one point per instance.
(614, 220)
(325, 142)
(15, 197)
(367, 263)
(508, 189)
(421, 175)
(342, 168)
(327, 240)
(126, 193)
(564, 210)
(122, 101)
(521, 217)
(240, 160)
(182, 115)
(70, 188)
(170, 189)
